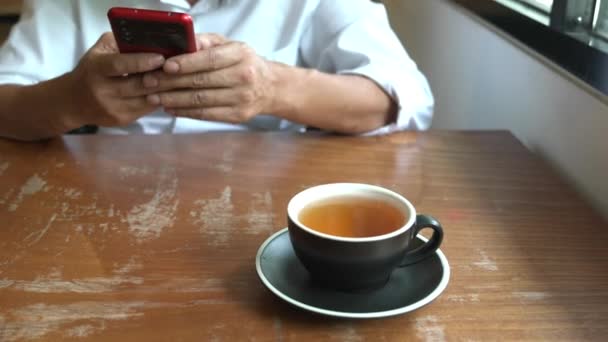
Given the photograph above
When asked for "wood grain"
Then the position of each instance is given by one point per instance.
(154, 237)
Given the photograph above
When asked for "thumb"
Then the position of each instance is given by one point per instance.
(106, 43)
(209, 40)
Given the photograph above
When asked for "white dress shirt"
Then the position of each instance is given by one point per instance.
(334, 36)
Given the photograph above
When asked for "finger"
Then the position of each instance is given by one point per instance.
(131, 86)
(138, 106)
(195, 98)
(220, 114)
(208, 40)
(118, 64)
(215, 58)
(228, 77)
(106, 44)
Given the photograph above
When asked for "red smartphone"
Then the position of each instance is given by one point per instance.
(141, 30)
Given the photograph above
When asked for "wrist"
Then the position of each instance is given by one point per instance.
(39, 111)
(46, 107)
(284, 97)
(69, 112)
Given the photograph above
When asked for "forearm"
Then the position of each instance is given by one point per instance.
(340, 103)
(38, 111)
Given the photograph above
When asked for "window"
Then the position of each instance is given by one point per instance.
(601, 24)
(585, 20)
(542, 5)
(571, 33)
(538, 10)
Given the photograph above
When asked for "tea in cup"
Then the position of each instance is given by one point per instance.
(352, 236)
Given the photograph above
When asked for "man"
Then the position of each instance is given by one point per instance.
(269, 65)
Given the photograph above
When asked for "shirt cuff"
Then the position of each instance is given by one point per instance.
(410, 91)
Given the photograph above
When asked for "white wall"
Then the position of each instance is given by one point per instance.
(484, 80)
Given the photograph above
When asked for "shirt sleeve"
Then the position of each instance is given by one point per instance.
(41, 45)
(355, 37)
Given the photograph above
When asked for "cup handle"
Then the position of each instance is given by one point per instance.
(426, 250)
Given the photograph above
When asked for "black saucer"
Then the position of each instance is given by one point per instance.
(408, 289)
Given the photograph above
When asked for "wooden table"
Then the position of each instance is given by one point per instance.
(11, 7)
(153, 238)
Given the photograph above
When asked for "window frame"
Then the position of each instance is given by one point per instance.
(587, 63)
(599, 30)
(537, 5)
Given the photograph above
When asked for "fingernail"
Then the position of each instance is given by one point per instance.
(171, 66)
(204, 43)
(153, 99)
(157, 61)
(150, 81)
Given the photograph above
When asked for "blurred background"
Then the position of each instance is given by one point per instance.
(8, 10)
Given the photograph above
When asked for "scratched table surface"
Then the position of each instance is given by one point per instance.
(153, 238)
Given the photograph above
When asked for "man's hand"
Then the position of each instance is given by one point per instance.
(224, 81)
(108, 88)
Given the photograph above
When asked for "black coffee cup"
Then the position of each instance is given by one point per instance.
(358, 263)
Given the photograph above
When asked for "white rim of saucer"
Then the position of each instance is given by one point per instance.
(342, 314)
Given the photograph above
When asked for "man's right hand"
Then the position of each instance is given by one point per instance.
(107, 85)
